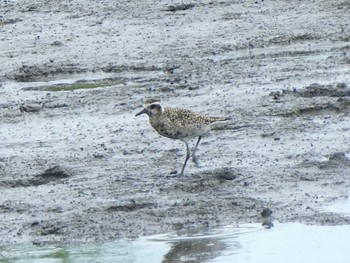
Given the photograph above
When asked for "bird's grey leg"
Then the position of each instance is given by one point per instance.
(188, 154)
(194, 157)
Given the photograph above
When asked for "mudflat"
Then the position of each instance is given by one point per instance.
(77, 166)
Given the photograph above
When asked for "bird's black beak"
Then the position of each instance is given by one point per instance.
(141, 112)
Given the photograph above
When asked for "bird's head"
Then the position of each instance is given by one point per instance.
(153, 108)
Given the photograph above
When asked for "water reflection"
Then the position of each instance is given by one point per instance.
(202, 245)
(288, 243)
(194, 251)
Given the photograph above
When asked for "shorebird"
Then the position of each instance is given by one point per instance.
(266, 216)
(180, 124)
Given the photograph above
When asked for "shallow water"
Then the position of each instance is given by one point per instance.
(342, 206)
(246, 243)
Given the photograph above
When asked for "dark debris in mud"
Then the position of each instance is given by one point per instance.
(315, 90)
(288, 39)
(224, 173)
(43, 231)
(318, 90)
(130, 68)
(179, 7)
(313, 216)
(328, 106)
(9, 21)
(28, 73)
(30, 108)
(342, 105)
(335, 161)
(53, 174)
(129, 207)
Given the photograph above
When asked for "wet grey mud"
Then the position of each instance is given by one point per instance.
(76, 166)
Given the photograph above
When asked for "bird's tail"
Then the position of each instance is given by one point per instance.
(221, 118)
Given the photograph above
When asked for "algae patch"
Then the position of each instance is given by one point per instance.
(79, 85)
(76, 86)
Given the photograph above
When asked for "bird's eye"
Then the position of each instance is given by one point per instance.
(153, 106)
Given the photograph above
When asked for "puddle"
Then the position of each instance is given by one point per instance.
(247, 243)
(74, 81)
(58, 80)
(292, 243)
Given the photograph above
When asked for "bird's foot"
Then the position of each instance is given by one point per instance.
(196, 161)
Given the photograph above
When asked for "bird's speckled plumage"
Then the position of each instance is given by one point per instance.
(176, 123)
(181, 124)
